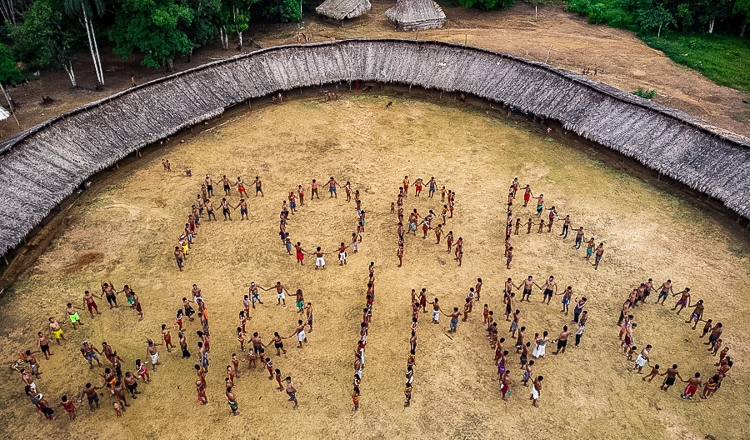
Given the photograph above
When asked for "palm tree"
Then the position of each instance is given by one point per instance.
(82, 9)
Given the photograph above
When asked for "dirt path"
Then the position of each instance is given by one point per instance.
(621, 59)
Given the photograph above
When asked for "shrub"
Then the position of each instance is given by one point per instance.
(644, 93)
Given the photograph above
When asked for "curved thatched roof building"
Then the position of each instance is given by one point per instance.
(341, 9)
(43, 165)
(412, 15)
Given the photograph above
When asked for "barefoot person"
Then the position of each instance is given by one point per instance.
(320, 262)
(232, 400)
(642, 359)
(43, 343)
(562, 340)
(671, 374)
(91, 395)
(332, 184)
(664, 291)
(684, 300)
(549, 289)
(291, 391)
(152, 352)
(435, 311)
(90, 353)
(536, 391)
(56, 331)
(692, 386)
(598, 256)
(300, 332)
(697, 314)
(89, 303)
(528, 283)
(73, 315)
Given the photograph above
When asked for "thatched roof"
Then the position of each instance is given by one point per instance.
(411, 15)
(42, 165)
(341, 9)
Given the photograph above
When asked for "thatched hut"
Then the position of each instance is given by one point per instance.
(44, 164)
(343, 9)
(412, 15)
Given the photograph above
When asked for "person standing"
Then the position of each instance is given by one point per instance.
(536, 391)
(232, 400)
(598, 256)
(90, 353)
(291, 391)
(581, 327)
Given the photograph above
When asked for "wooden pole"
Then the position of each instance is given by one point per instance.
(546, 61)
(466, 39)
(10, 105)
(5, 258)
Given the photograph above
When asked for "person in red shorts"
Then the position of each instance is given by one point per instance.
(240, 187)
(300, 253)
(89, 303)
(406, 186)
(693, 384)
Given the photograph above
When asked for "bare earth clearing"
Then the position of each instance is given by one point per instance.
(122, 230)
(622, 60)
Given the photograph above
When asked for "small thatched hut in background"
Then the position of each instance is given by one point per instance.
(412, 15)
(341, 9)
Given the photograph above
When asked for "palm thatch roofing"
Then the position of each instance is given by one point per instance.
(44, 164)
(412, 15)
(341, 9)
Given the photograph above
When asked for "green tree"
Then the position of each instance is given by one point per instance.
(9, 73)
(486, 4)
(685, 14)
(235, 19)
(281, 10)
(707, 12)
(155, 28)
(205, 22)
(11, 10)
(46, 38)
(83, 11)
(742, 7)
(656, 17)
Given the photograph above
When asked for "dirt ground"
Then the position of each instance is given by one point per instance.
(122, 229)
(622, 60)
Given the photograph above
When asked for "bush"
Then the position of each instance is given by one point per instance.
(609, 12)
(644, 93)
(487, 5)
(9, 73)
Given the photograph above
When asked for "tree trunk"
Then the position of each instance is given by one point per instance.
(536, 12)
(222, 37)
(658, 33)
(170, 64)
(98, 58)
(239, 46)
(6, 7)
(711, 26)
(68, 67)
(89, 29)
(742, 31)
(190, 55)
